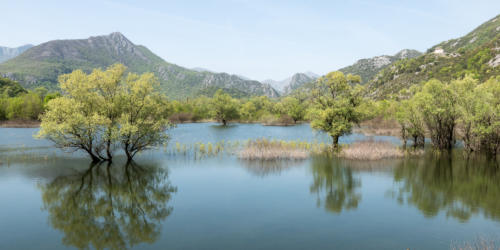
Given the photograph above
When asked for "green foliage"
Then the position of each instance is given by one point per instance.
(223, 107)
(485, 33)
(105, 110)
(10, 88)
(335, 110)
(437, 103)
(463, 109)
(479, 109)
(24, 106)
(473, 59)
(411, 121)
(292, 107)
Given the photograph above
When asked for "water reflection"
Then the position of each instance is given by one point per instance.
(452, 183)
(109, 206)
(269, 167)
(334, 184)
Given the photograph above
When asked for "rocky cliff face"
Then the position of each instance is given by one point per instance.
(42, 64)
(368, 68)
(8, 53)
(298, 80)
(289, 84)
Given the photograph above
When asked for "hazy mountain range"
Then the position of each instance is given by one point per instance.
(286, 85)
(8, 53)
(42, 64)
(477, 53)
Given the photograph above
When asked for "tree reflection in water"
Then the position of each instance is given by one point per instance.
(109, 206)
(336, 183)
(269, 167)
(456, 184)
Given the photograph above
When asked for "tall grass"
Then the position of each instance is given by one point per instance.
(263, 149)
(374, 150)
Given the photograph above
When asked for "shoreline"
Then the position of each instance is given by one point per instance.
(366, 127)
(20, 124)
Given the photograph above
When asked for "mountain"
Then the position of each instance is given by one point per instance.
(289, 84)
(41, 65)
(199, 69)
(298, 80)
(367, 68)
(476, 53)
(8, 53)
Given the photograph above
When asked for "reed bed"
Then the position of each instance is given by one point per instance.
(480, 243)
(374, 150)
(263, 149)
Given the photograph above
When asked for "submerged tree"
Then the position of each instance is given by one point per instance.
(412, 123)
(336, 103)
(438, 104)
(224, 108)
(478, 107)
(102, 111)
(142, 120)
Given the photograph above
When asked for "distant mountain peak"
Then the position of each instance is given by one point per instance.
(407, 53)
(9, 53)
(285, 86)
(118, 37)
(42, 64)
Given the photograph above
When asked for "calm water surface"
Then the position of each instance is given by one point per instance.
(55, 200)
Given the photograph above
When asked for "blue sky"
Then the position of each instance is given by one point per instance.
(257, 39)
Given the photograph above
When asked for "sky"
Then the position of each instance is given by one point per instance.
(253, 38)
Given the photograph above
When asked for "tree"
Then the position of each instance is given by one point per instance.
(224, 107)
(468, 99)
(411, 121)
(25, 107)
(336, 103)
(487, 116)
(438, 104)
(102, 111)
(142, 122)
(248, 111)
(293, 108)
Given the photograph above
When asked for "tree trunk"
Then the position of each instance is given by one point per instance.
(335, 142)
(108, 151)
(403, 135)
(129, 156)
(93, 156)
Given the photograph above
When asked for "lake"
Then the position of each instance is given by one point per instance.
(170, 199)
